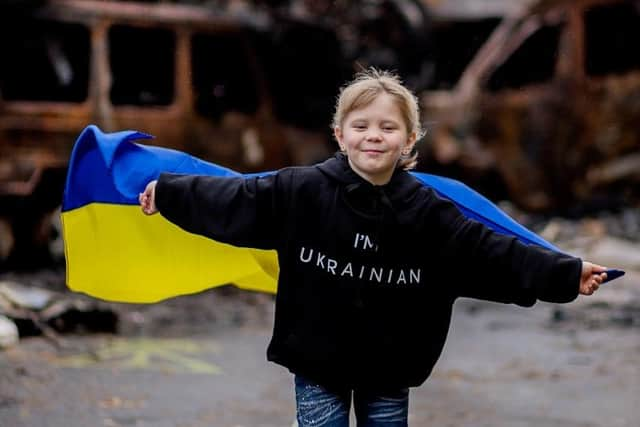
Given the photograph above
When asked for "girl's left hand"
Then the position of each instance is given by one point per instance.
(591, 278)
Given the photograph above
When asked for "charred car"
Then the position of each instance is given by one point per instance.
(547, 111)
(197, 78)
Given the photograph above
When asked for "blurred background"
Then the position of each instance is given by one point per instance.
(534, 103)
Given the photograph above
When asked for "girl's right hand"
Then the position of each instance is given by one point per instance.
(147, 199)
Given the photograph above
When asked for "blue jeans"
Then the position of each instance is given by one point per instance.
(318, 407)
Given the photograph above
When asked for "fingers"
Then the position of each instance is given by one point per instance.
(598, 278)
(144, 202)
(148, 207)
(591, 268)
(593, 283)
(146, 199)
(589, 288)
(593, 275)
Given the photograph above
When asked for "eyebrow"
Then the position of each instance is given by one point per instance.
(385, 121)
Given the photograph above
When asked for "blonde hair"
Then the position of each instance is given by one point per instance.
(365, 88)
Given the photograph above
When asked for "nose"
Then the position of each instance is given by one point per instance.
(373, 135)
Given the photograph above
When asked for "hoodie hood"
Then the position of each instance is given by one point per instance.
(398, 195)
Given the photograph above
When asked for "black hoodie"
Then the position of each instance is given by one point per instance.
(368, 274)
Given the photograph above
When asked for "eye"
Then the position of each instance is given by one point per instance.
(359, 126)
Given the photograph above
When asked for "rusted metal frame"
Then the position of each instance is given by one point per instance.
(22, 188)
(625, 167)
(468, 84)
(440, 9)
(48, 108)
(123, 11)
(524, 31)
(544, 5)
(98, 16)
(571, 58)
(487, 59)
(183, 99)
(523, 96)
(100, 75)
(104, 112)
(502, 47)
(492, 53)
(23, 109)
(529, 26)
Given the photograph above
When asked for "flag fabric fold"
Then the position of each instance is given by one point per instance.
(116, 253)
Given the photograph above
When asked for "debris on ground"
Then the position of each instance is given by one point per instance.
(36, 311)
(8, 332)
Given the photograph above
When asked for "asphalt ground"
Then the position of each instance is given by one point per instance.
(200, 361)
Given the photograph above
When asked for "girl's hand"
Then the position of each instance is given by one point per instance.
(147, 199)
(591, 278)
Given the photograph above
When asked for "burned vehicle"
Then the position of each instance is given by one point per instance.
(547, 111)
(192, 76)
(248, 85)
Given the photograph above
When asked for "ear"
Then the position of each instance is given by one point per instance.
(337, 132)
(411, 141)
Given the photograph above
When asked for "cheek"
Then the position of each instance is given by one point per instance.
(351, 139)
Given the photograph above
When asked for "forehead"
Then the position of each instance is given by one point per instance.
(382, 106)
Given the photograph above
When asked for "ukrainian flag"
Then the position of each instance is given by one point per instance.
(115, 252)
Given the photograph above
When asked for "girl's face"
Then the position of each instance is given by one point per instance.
(374, 137)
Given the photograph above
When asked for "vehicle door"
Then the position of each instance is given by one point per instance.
(611, 88)
(524, 114)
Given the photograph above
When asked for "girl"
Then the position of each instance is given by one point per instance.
(360, 313)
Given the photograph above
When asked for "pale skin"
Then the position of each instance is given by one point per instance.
(374, 138)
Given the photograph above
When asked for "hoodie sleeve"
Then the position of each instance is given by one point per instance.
(235, 210)
(496, 267)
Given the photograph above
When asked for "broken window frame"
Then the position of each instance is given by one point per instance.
(55, 45)
(452, 74)
(509, 35)
(244, 54)
(31, 106)
(523, 33)
(121, 97)
(600, 73)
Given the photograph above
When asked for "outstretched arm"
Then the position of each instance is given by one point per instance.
(239, 211)
(501, 268)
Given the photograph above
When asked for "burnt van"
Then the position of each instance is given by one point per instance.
(546, 112)
(191, 76)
